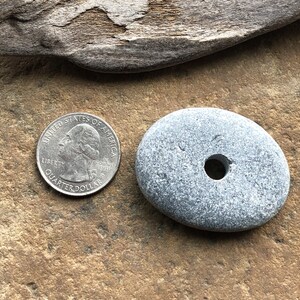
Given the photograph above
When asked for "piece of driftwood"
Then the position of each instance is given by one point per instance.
(135, 35)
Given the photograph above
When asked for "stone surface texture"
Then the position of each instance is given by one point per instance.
(135, 35)
(114, 244)
(170, 168)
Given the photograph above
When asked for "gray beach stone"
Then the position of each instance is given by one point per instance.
(175, 170)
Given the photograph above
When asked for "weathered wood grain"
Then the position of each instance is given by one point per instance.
(135, 35)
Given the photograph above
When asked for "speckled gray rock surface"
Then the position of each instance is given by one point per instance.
(171, 170)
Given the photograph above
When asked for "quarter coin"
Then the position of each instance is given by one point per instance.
(78, 154)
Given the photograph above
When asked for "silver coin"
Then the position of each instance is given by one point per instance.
(78, 154)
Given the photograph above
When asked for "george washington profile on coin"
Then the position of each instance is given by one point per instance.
(78, 154)
(80, 150)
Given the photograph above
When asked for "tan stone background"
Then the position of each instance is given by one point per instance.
(114, 245)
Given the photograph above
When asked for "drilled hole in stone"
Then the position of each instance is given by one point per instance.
(217, 166)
